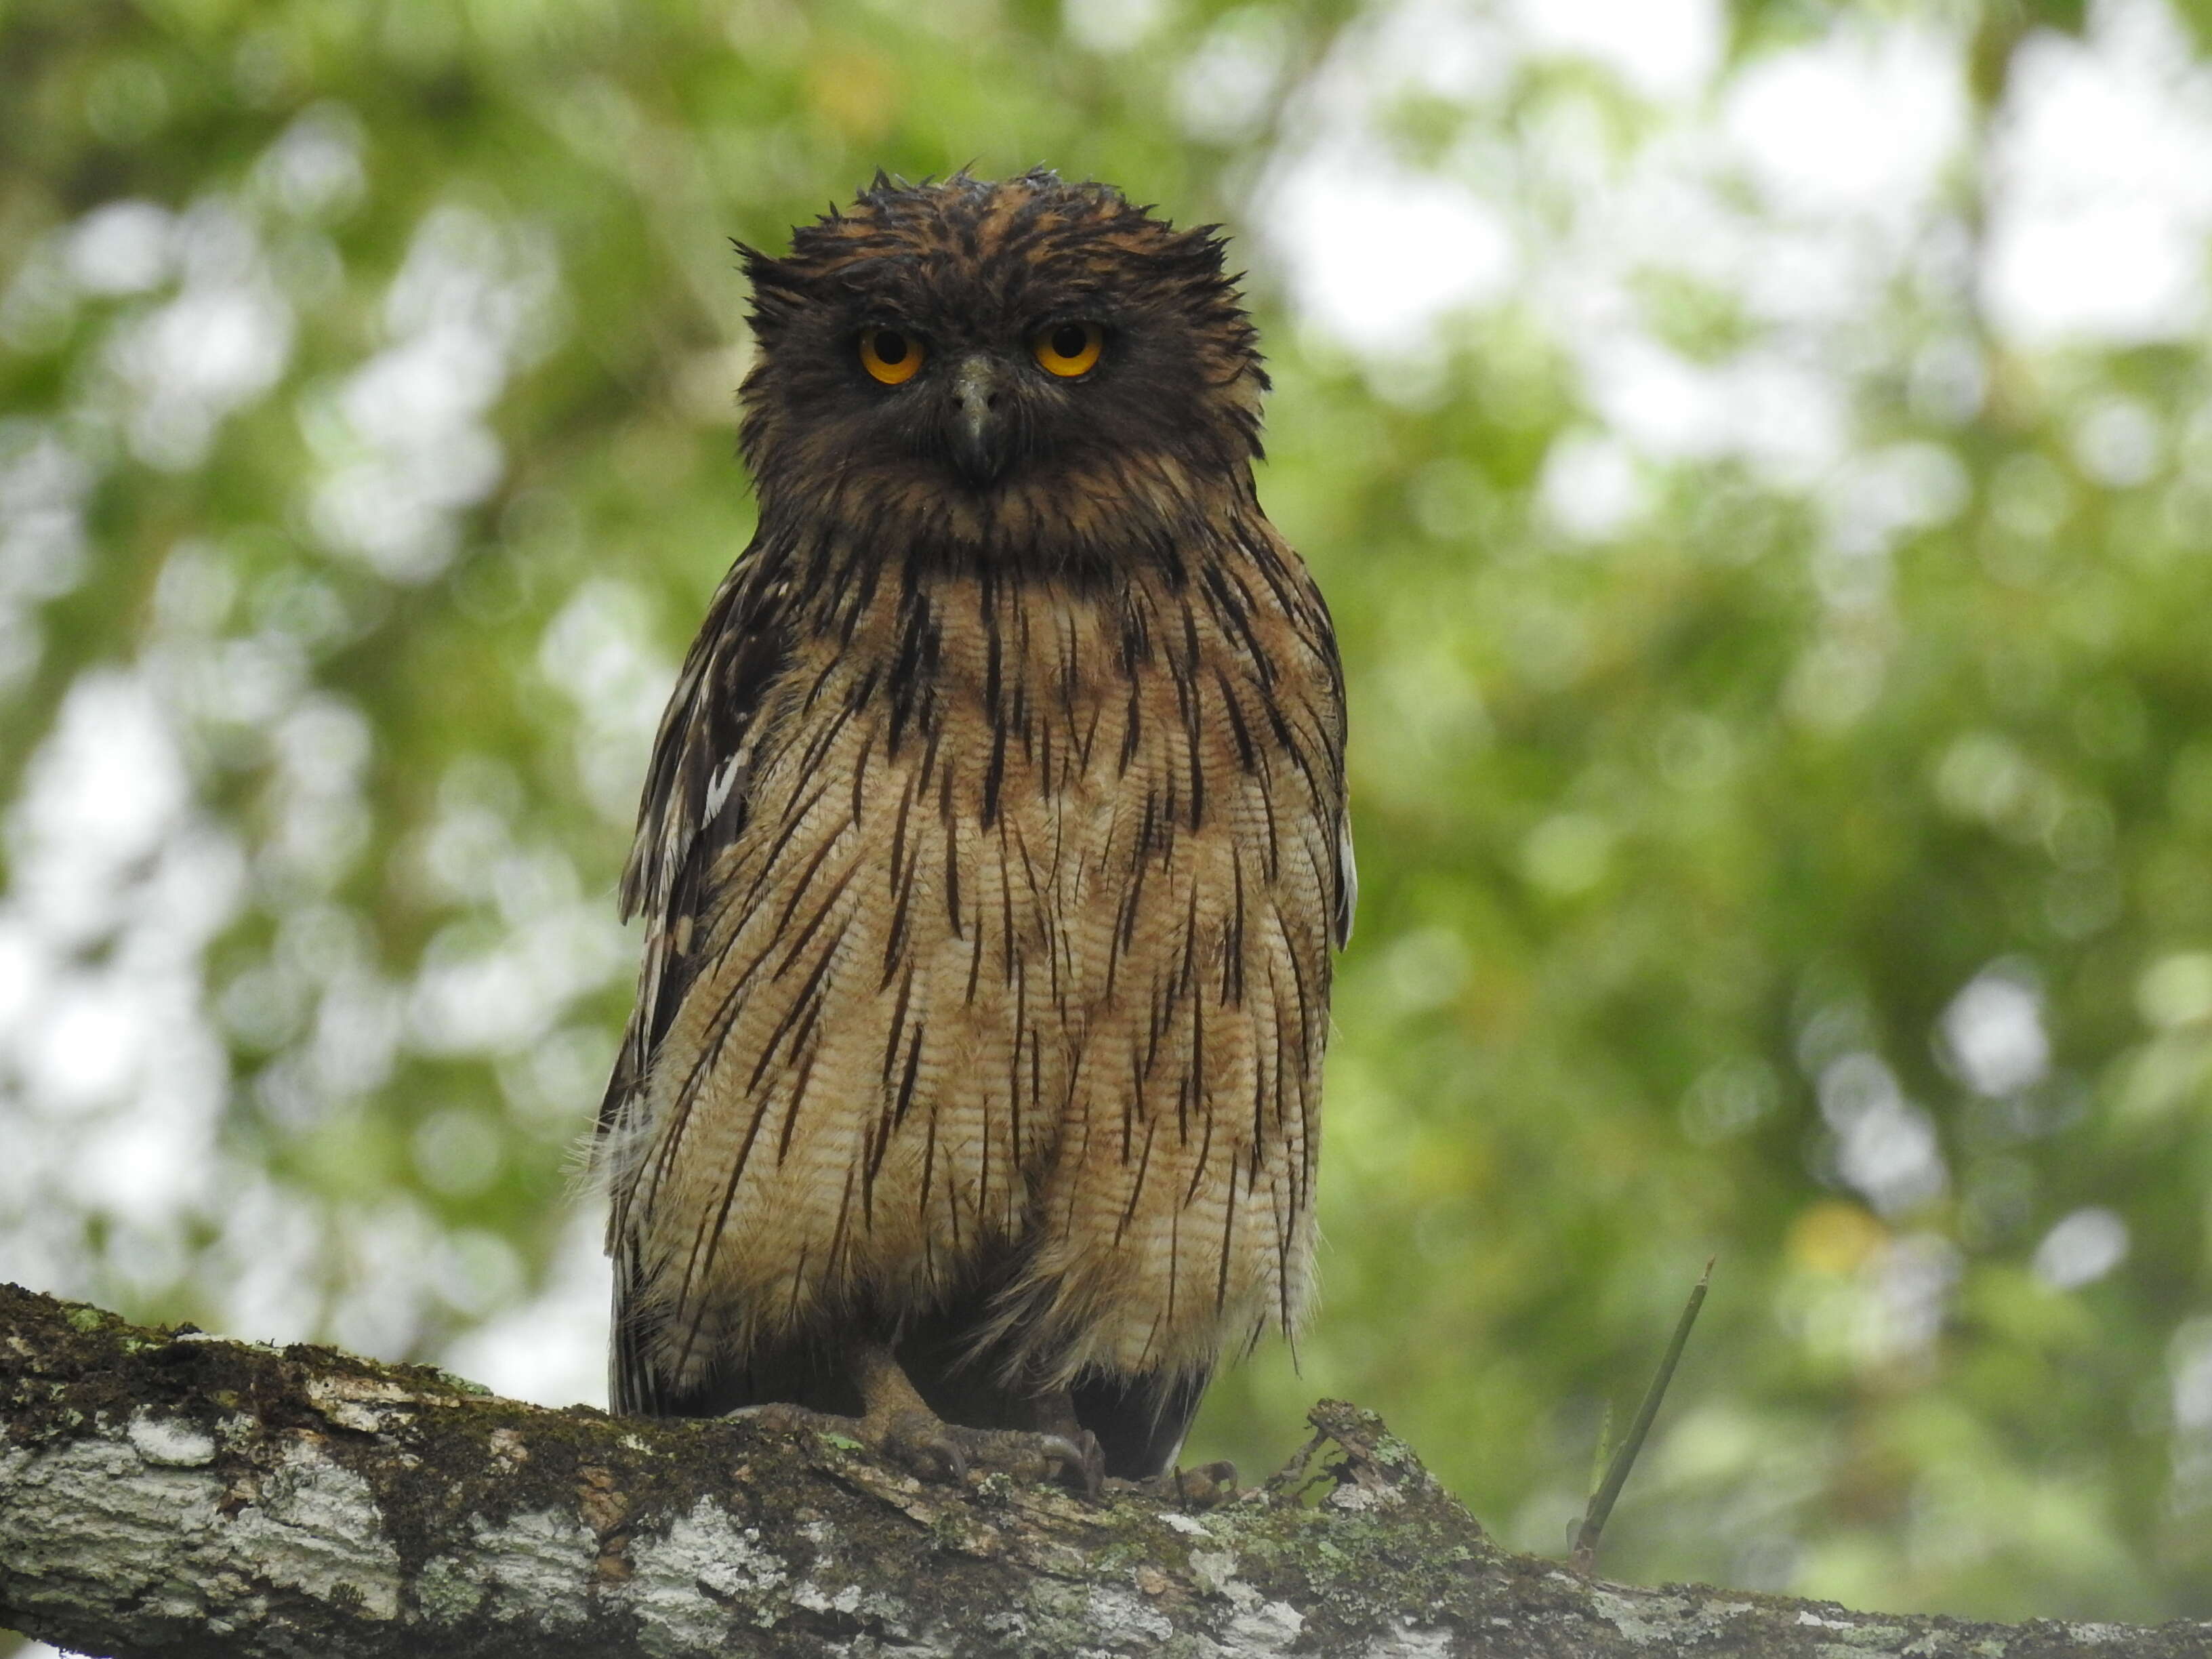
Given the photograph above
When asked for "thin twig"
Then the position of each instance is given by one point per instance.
(1600, 1451)
(1584, 1559)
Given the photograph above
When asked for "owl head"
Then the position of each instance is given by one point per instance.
(1022, 365)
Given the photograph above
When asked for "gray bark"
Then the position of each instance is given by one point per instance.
(164, 1492)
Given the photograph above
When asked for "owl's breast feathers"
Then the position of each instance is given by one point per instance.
(988, 925)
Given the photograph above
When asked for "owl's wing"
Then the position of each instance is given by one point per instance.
(694, 806)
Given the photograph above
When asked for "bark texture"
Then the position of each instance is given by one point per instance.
(165, 1493)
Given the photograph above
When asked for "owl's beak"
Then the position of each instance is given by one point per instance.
(978, 423)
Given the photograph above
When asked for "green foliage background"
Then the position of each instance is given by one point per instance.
(1678, 842)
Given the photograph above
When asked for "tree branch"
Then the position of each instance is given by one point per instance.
(164, 1492)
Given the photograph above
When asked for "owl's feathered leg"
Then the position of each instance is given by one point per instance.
(897, 1424)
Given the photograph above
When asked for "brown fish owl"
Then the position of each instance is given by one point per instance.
(991, 858)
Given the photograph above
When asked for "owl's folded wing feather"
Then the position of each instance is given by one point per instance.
(694, 806)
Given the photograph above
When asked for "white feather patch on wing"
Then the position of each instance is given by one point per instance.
(719, 788)
(1348, 878)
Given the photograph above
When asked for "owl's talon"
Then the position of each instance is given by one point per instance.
(1208, 1484)
(1025, 1455)
(1207, 1487)
(1083, 1457)
(924, 1445)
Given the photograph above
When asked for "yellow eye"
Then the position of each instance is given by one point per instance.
(890, 355)
(1069, 349)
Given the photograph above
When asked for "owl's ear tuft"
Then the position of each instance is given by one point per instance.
(1205, 244)
(779, 290)
(883, 191)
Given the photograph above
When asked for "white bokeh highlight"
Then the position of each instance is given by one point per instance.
(2081, 1248)
(1993, 1033)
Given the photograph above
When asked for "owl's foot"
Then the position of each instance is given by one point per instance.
(928, 1444)
(925, 1445)
(898, 1426)
(1206, 1487)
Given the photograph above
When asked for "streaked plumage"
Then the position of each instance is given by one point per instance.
(992, 851)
